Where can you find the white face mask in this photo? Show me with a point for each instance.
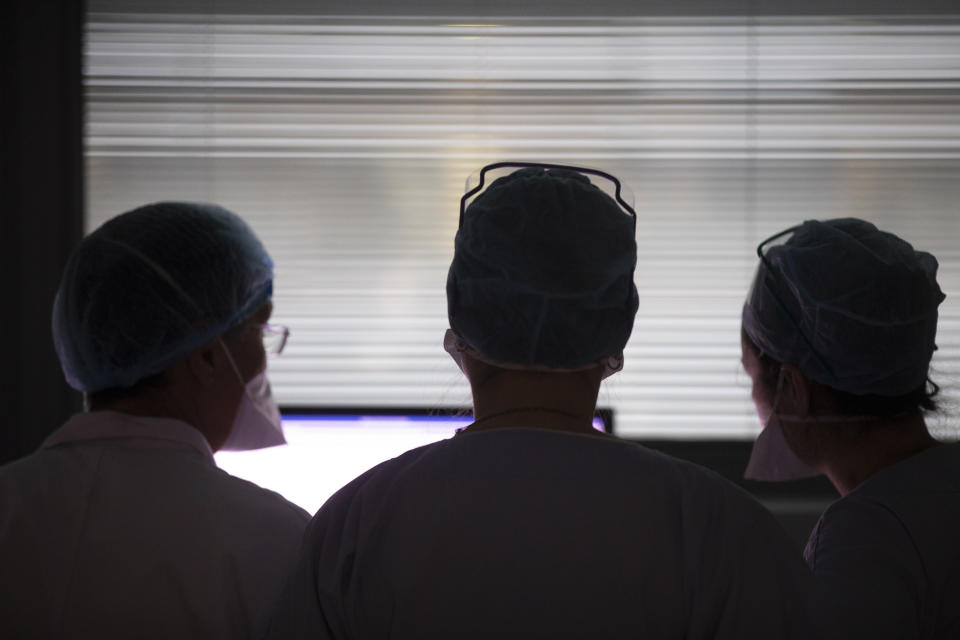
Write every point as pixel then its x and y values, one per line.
pixel 257 424
pixel 772 459
pixel 456 346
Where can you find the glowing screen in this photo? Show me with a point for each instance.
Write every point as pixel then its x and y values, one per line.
pixel 325 452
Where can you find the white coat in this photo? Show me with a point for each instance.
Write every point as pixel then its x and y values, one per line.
pixel 888 553
pixel 123 527
pixel 529 533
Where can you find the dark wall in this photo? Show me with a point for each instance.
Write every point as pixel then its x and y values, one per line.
pixel 41 181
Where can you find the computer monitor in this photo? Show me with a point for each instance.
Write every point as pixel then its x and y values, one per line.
pixel 327 448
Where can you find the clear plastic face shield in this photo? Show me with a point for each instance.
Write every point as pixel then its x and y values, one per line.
pixel 764 280
pixel 608 183
pixel 475 185
pixel 772 459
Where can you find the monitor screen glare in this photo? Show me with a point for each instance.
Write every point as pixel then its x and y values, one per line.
pixel 325 452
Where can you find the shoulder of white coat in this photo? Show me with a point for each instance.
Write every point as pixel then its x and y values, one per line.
pixel 251 496
pixel 371 483
pixel 850 522
pixel 346 516
pixel 699 481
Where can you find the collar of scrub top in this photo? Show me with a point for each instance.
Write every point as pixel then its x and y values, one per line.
pixel 546 166
pixel 159 433
pixel 783 307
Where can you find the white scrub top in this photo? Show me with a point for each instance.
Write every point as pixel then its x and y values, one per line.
pixel 888 553
pixel 123 527
pixel 530 533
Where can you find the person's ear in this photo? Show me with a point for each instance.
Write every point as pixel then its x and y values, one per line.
pixel 797 392
pixel 611 365
pixel 204 363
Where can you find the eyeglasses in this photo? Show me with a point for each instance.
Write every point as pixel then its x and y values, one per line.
pixel 780 303
pixel 620 193
pixel 274 338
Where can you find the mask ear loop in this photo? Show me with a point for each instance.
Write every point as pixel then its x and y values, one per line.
pixel 811 419
pixel 233 364
pixel 777 394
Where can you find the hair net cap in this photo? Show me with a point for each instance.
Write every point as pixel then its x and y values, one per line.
pixel 151 285
pixel 865 299
pixel 542 272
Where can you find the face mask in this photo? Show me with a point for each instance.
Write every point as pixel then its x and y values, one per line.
pixel 772 459
pixel 257 424
pixel 455 346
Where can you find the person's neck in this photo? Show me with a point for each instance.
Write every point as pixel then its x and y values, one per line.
pixel 851 462
pixel 558 401
pixel 157 404
pixel 143 405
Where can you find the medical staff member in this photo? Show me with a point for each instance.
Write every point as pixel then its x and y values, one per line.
pixel 838 333
pixel 530 523
pixel 121 525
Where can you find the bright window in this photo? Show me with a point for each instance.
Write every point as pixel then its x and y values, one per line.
pixel 346 142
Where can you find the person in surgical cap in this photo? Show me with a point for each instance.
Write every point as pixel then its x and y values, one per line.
pixel 531 523
pixel 838 332
pixel 121 525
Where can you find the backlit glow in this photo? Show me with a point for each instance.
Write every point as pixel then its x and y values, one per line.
pixel 325 452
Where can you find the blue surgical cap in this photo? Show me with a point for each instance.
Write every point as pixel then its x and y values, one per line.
pixel 542 272
pixel 864 299
pixel 151 285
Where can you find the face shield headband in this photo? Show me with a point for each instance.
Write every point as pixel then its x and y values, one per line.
pixel 618 189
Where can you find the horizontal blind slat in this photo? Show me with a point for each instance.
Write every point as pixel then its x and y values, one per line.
pixel 345 143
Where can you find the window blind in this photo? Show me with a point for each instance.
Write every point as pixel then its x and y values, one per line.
pixel 345 142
